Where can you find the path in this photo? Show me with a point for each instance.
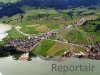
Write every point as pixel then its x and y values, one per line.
pixel 18 29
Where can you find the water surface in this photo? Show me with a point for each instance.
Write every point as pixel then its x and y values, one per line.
pixel 38 66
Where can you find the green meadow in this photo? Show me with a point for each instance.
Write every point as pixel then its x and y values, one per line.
pixel 6 1
pixel 53 48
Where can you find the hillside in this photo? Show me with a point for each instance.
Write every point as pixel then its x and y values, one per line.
pixel 58 4
pixel 76 36
pixel 9 10
pixel 11 1
pixel 93 29
pixel 14 7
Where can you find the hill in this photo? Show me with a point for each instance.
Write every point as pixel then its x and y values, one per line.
pixel 9 9
pixel 76 36
pixel 93 29
pixel 58 4
pixel 11 1
pixel 12 7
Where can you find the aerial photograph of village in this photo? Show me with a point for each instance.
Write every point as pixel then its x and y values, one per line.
pixel 49 37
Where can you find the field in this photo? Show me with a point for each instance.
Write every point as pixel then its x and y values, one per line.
pixel 52 48
pixel 34 29
pixel 43 47
pixel 6 1
pixel 13 33
pixel 76 36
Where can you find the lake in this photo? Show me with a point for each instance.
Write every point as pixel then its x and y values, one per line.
pixel 38 66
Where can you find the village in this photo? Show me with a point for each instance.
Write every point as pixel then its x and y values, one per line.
pixel 49 37
pixel 28 43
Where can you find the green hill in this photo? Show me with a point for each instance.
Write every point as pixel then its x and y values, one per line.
pixel 93 29
pixel 11 1
pixel 76 36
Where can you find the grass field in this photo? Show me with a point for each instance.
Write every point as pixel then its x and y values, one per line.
pixel 6 1
pixel 41 28
pixel 76 36
pixel 13 33
pixel 43 47
pixel 28 30
pixel 52 48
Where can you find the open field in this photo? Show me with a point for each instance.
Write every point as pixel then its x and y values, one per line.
pixel 73 35
pixel 6 1
pixel 52 48
pixel 34 29
pixel 13 33
pixel 41 28
pixel 43 47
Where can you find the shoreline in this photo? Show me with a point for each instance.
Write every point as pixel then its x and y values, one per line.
pixel 3 30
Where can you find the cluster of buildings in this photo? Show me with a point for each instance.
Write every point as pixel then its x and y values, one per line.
pixel 28 43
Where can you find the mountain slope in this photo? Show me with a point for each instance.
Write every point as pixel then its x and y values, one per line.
pixel 58 3
pixel 6 1
pixel 10 9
